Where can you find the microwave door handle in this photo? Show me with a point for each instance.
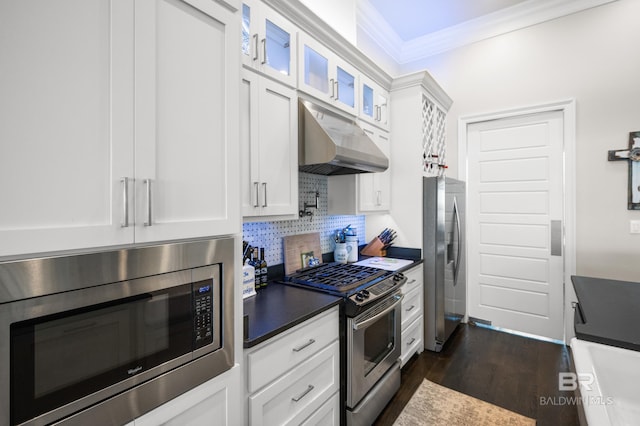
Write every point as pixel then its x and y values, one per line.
pixel 365 323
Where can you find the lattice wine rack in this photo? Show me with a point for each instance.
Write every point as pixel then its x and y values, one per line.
pixel 433 138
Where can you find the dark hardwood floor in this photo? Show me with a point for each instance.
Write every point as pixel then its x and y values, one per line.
pixel 510 371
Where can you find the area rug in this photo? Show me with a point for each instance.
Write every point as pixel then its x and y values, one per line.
pixel 432 404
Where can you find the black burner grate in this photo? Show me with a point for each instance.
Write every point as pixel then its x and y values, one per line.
pixel 337 276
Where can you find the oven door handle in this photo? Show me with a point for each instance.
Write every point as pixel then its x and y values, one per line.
pixel 378 315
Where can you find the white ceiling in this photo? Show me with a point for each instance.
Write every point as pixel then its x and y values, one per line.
pixel 411 30
pixel 411 19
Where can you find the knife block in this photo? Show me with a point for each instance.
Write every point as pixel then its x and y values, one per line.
pixel 374 248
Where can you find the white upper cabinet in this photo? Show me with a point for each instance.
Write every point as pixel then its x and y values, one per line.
pixel 324 75
pixel 269 146
pixel 187 128
pixel 365 192
pixel 66 124
pixel 374 105
pixel 101 98
pixel 268 42
pixel 375 188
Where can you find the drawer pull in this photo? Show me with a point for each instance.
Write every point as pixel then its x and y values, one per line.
pixel 411 282
pixel 413 339
pixel 303 394
pixel 411 308
pixel 309 343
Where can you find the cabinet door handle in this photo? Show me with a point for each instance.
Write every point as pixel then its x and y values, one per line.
pixel 255 47
pixel 337 90
pixel 264 187
pixel 264 51
pixel 410 309
pixel 303 394
pixel 147 183
pixel 309 343
pixel 333 88
pixel 125 202
pixel 409 343
pixel 256 185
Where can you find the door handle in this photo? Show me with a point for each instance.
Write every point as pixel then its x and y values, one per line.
pixel 264 186
pixel 125 202
pixel 556 238
pixel 255 46
pixel 256 185
pixel 459 253
pixel 264 51
pixel 147 183
pixel 333 88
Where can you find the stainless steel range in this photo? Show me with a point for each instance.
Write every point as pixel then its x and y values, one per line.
pixel 372 306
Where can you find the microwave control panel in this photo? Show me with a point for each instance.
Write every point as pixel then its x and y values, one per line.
pixel 203 315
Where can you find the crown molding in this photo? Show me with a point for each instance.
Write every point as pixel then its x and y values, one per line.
pixel 522 15
pixel 427 82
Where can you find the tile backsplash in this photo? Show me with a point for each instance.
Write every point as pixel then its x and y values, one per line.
pixel 269 234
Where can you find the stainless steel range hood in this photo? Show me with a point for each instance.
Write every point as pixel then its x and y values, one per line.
pixel 330 144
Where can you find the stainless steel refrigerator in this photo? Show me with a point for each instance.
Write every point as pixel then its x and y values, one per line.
pixel 443 251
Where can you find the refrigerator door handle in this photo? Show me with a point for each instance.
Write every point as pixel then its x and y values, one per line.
pixel 459 251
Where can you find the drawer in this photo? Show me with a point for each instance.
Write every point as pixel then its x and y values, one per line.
pixel 299 393
pixel 411 306
pixel 411 340
pixel 280 354
pixel 327 415
pixel 414 279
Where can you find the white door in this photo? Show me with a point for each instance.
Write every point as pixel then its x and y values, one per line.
pixel 515 213
pixel 187 90
pixel 66 124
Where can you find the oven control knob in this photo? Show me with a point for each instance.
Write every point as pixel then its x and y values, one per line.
pixel 365 293
pixel 359 297
pixel 398 277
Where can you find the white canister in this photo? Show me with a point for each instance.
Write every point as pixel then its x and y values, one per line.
pixel 340 254
pixel 352 248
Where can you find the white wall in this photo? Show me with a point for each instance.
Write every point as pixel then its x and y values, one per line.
pixel 593 57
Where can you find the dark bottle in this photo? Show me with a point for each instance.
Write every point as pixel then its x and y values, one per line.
pixel 255 262
pixel 263 269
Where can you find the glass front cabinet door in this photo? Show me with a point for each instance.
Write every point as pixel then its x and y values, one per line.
pixel 268 42
pixel 325 76
pixel 375 103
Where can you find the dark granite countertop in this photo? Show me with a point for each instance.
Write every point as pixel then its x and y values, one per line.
pixel 280 307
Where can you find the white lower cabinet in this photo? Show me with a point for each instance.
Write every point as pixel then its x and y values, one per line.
pixel 294 378
pixel 412 314
pixel 212 403
pixel 327 415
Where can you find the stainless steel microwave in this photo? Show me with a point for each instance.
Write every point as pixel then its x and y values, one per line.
pixel 109 336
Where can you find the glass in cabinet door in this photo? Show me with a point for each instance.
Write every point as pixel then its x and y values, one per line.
pixel 278 48
pixel 367 101
pixel 346 88
pixel 246 30
pixel 316 70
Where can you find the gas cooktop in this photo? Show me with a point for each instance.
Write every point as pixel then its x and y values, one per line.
pixel 337 277
pixel 359 285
